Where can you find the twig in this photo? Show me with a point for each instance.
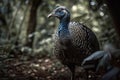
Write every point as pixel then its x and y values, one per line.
pixel 13 19
pixel 20 26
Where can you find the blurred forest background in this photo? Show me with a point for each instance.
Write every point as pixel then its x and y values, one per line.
pixel 26 44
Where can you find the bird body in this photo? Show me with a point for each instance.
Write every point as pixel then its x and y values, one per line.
pixel 73 45
pixel 73 41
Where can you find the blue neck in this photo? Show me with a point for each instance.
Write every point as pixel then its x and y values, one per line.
pixel 63 24
pixel 63 27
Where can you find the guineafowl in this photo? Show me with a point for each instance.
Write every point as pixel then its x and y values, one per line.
pixel 73 41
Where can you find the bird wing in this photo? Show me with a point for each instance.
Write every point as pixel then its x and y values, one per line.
pixel 83 37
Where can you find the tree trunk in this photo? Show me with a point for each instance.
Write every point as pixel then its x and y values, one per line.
pixel 114 8
pixel 32 22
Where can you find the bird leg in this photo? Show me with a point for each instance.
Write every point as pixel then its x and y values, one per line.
pixel 72 69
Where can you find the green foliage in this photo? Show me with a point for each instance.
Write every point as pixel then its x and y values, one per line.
pixel 99 22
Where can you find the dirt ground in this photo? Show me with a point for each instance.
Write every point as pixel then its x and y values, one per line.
pixel 24 67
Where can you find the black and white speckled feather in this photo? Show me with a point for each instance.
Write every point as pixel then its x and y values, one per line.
pixel 83 43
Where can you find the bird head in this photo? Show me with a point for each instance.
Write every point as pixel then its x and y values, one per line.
pixel 60 12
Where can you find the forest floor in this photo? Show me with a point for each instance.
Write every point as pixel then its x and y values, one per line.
pixel 23 67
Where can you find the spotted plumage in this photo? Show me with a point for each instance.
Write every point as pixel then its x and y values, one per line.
pixel 81 44
pixel 73 41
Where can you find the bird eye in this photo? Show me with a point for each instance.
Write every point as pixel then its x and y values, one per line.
pixel 59 11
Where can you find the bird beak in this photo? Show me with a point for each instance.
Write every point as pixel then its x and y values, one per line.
pixel 50 15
